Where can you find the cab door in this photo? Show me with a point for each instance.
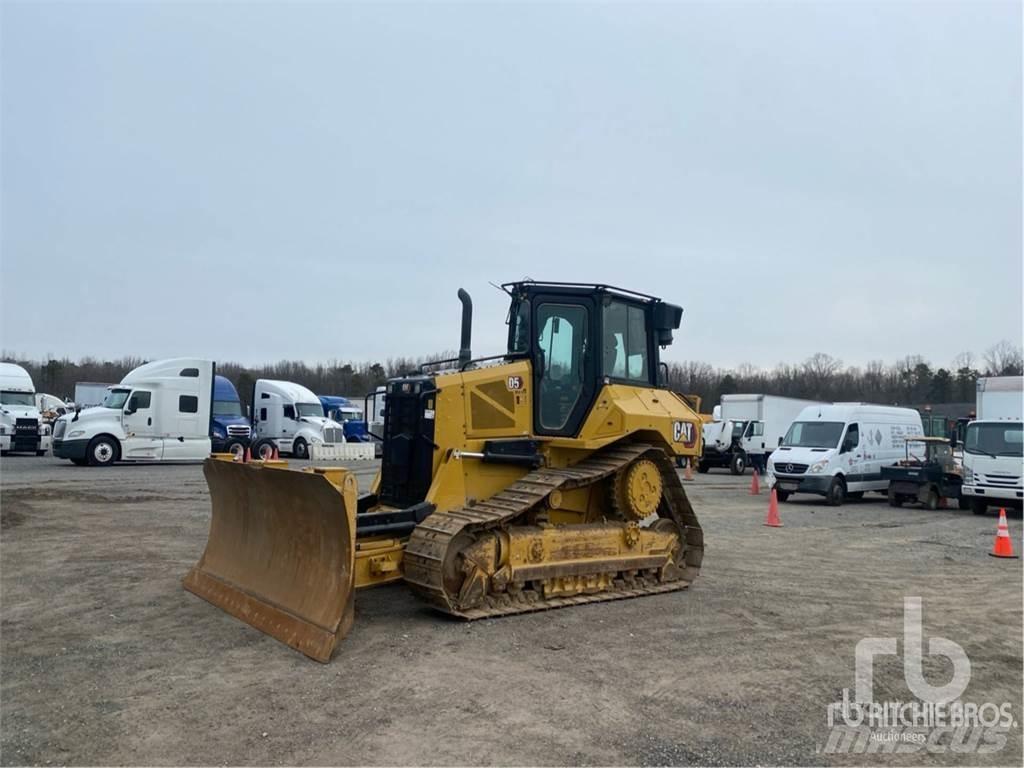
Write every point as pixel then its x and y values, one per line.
pixel 563 367
pixel 141 440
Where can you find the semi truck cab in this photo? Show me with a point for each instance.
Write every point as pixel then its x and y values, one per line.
pixel 230 430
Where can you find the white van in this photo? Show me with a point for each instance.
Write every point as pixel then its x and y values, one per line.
pixel 22 430
pixel 839 450
pixel 159 412
pixel 289 417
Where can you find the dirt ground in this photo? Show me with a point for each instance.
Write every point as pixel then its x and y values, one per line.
pixel 107 660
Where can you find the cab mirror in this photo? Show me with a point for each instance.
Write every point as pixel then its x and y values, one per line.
pixel 781 439
pixel 131 408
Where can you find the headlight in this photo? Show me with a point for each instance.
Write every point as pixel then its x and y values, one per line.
pixel 219 433
pixel 818 466
pixel 968 476
pixel 76 433
pixel 316 439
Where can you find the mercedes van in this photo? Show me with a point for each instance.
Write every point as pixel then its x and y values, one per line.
pixel 838 451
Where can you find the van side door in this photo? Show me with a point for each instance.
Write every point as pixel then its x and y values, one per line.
pixel 141 440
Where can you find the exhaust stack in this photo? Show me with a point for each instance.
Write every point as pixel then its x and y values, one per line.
pixel 465 353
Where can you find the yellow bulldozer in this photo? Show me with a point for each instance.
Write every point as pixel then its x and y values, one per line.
pixel 541 478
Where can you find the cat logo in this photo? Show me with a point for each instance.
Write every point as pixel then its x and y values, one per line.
pixel 683 432
pixel 514 383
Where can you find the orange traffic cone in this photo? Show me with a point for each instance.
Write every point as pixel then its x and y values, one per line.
pixel 755 484
pixel 1002 546
pixel 772 520
pixel 688 474
pixel 246 457
pixel 275 456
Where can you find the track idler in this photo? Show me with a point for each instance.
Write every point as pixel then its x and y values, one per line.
pixel 281 550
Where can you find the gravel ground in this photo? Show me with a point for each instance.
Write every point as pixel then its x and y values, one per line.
pixel 107 660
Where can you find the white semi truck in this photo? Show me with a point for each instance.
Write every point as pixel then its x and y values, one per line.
pixel 993 459
pixel 747 429
pixel 22 429
pixel 160 411
pixel 289 417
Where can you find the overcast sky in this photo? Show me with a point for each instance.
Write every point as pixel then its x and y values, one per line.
pixel 280 181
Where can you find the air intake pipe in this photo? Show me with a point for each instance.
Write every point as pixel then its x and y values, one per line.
pixel 465 353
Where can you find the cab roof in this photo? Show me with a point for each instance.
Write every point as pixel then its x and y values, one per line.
pixel 534 285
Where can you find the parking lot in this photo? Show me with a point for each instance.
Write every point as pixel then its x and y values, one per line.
pixel 107 660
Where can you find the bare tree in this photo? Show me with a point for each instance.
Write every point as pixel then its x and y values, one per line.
pixel 1004 359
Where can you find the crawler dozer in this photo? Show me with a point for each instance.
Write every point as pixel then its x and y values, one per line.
pixel 537 479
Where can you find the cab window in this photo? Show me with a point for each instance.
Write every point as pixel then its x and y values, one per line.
pixel 852 439
pixel 139 401
pixel 625 342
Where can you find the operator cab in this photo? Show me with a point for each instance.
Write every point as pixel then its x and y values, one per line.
pixel 580 337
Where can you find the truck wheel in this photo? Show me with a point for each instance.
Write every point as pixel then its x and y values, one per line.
pixel 781 495
pixel 738 464
pixel 263 450
pixel 836 492
pixel 102 451
pixel 895 500
pixel 702 467
pixel 236 448
pixel 931 499
pixel 299 449
pixel 979 506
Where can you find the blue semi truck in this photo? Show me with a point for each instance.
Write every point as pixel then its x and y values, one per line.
pixel 230 430
pixel 349 415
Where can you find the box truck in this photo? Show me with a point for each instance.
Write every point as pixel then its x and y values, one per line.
pixel 89 394
pixel 838 451
pixel 751 427
pixel 993 449
pixel 290 418
pixel 22 429
pixel 161 411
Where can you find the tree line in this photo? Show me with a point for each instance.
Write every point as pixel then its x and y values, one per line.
pixel 911 380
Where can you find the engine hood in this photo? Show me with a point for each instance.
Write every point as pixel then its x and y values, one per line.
pixel 795 455
pixel 19 412
pixel 86 415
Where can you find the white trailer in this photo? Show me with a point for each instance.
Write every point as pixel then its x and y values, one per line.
pixel 751 427
pixel 993 455
pixel 159 412
pixel 22 429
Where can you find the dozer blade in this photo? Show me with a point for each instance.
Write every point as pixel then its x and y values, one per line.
pixel 281 550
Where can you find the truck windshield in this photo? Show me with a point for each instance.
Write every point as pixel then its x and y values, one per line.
pixel 309 409
pixel 231 408
pixel 995 439
pixel 115 398
pixel 813 434
pixel 17 398
pixel 342 416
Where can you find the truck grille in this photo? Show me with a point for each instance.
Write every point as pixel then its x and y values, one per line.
pixel 789 468
pixel 334 435
pixel 998 480
pixel 238 430
pixel 26 426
